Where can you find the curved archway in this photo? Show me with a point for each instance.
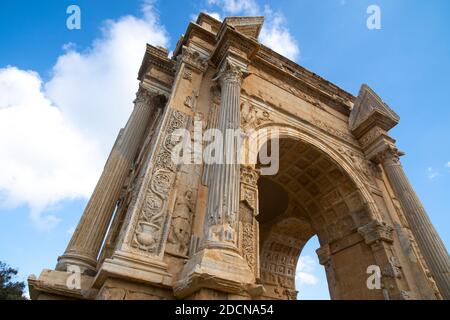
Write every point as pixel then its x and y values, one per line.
pixel 256 139
pixel 314 192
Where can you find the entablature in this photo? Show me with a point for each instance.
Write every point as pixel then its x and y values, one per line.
pixel 157 67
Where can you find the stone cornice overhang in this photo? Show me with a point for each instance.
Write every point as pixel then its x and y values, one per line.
pixel 194 29
pixel 262 56
pixel 229 41
pixel 301 78
pixel 212 21
pixel 156 57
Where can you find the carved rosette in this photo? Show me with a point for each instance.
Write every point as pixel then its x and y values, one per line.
pixel 148 233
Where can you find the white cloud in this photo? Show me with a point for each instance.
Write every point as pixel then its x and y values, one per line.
pixel 274 33
pixel 55 137
pixel 96 89
pixel 215 15
pixel 305 272
pixel 448 164
pixel 276 36
pixel 44 158
pixel 432 173
pixel 249 7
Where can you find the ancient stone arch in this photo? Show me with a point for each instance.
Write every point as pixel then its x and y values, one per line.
pixel 156 228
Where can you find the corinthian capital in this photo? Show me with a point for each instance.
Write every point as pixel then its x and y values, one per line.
pixel 143 96
pixel 148 97
pixel 231 72
pixel 389 156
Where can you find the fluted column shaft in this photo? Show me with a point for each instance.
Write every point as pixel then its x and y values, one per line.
pixel 430 243
pixel 223 198
pixel 88 237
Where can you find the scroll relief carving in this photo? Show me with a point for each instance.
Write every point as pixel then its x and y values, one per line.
pixel 252 117
pixel 149 229
pixel 248 209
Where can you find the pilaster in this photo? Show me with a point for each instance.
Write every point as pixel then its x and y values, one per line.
pixel 87 239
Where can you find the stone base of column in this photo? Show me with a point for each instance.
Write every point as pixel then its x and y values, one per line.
pixel 133 268
pixel 86 264
pixel 220 270
pixel 56 285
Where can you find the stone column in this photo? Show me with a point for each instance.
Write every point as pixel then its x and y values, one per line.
pixel 87 239
pixel 218 265
pixel 430 243
pixel 223 199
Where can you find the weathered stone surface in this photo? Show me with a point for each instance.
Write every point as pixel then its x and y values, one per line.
pixel 226 231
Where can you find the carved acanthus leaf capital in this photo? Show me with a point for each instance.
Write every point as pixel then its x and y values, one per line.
pixel 150 97
pixel 231 72
pixel 389 156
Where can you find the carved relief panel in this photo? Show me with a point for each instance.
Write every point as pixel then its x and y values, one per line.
pixel 248 242
pixel 149 229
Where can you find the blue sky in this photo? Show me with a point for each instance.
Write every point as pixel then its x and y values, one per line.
pixel 64 94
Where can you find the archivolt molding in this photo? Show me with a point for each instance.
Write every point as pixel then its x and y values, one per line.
pixel 331 149
pixel 343 143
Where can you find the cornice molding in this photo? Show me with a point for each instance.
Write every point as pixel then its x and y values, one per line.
pixel 370 111
pixel 156 56
pixel 194 29
pixel 229 41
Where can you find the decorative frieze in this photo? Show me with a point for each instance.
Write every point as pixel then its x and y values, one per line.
pixel 193 59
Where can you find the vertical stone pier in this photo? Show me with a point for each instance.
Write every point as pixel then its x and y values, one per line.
pixel 218 265
pixel 87 239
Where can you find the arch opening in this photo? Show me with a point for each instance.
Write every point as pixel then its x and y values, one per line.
pixel 311 195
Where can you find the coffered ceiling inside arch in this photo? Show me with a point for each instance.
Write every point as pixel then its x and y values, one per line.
pixel 316 188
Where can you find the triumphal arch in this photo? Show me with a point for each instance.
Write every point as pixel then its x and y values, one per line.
pixel 157 228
